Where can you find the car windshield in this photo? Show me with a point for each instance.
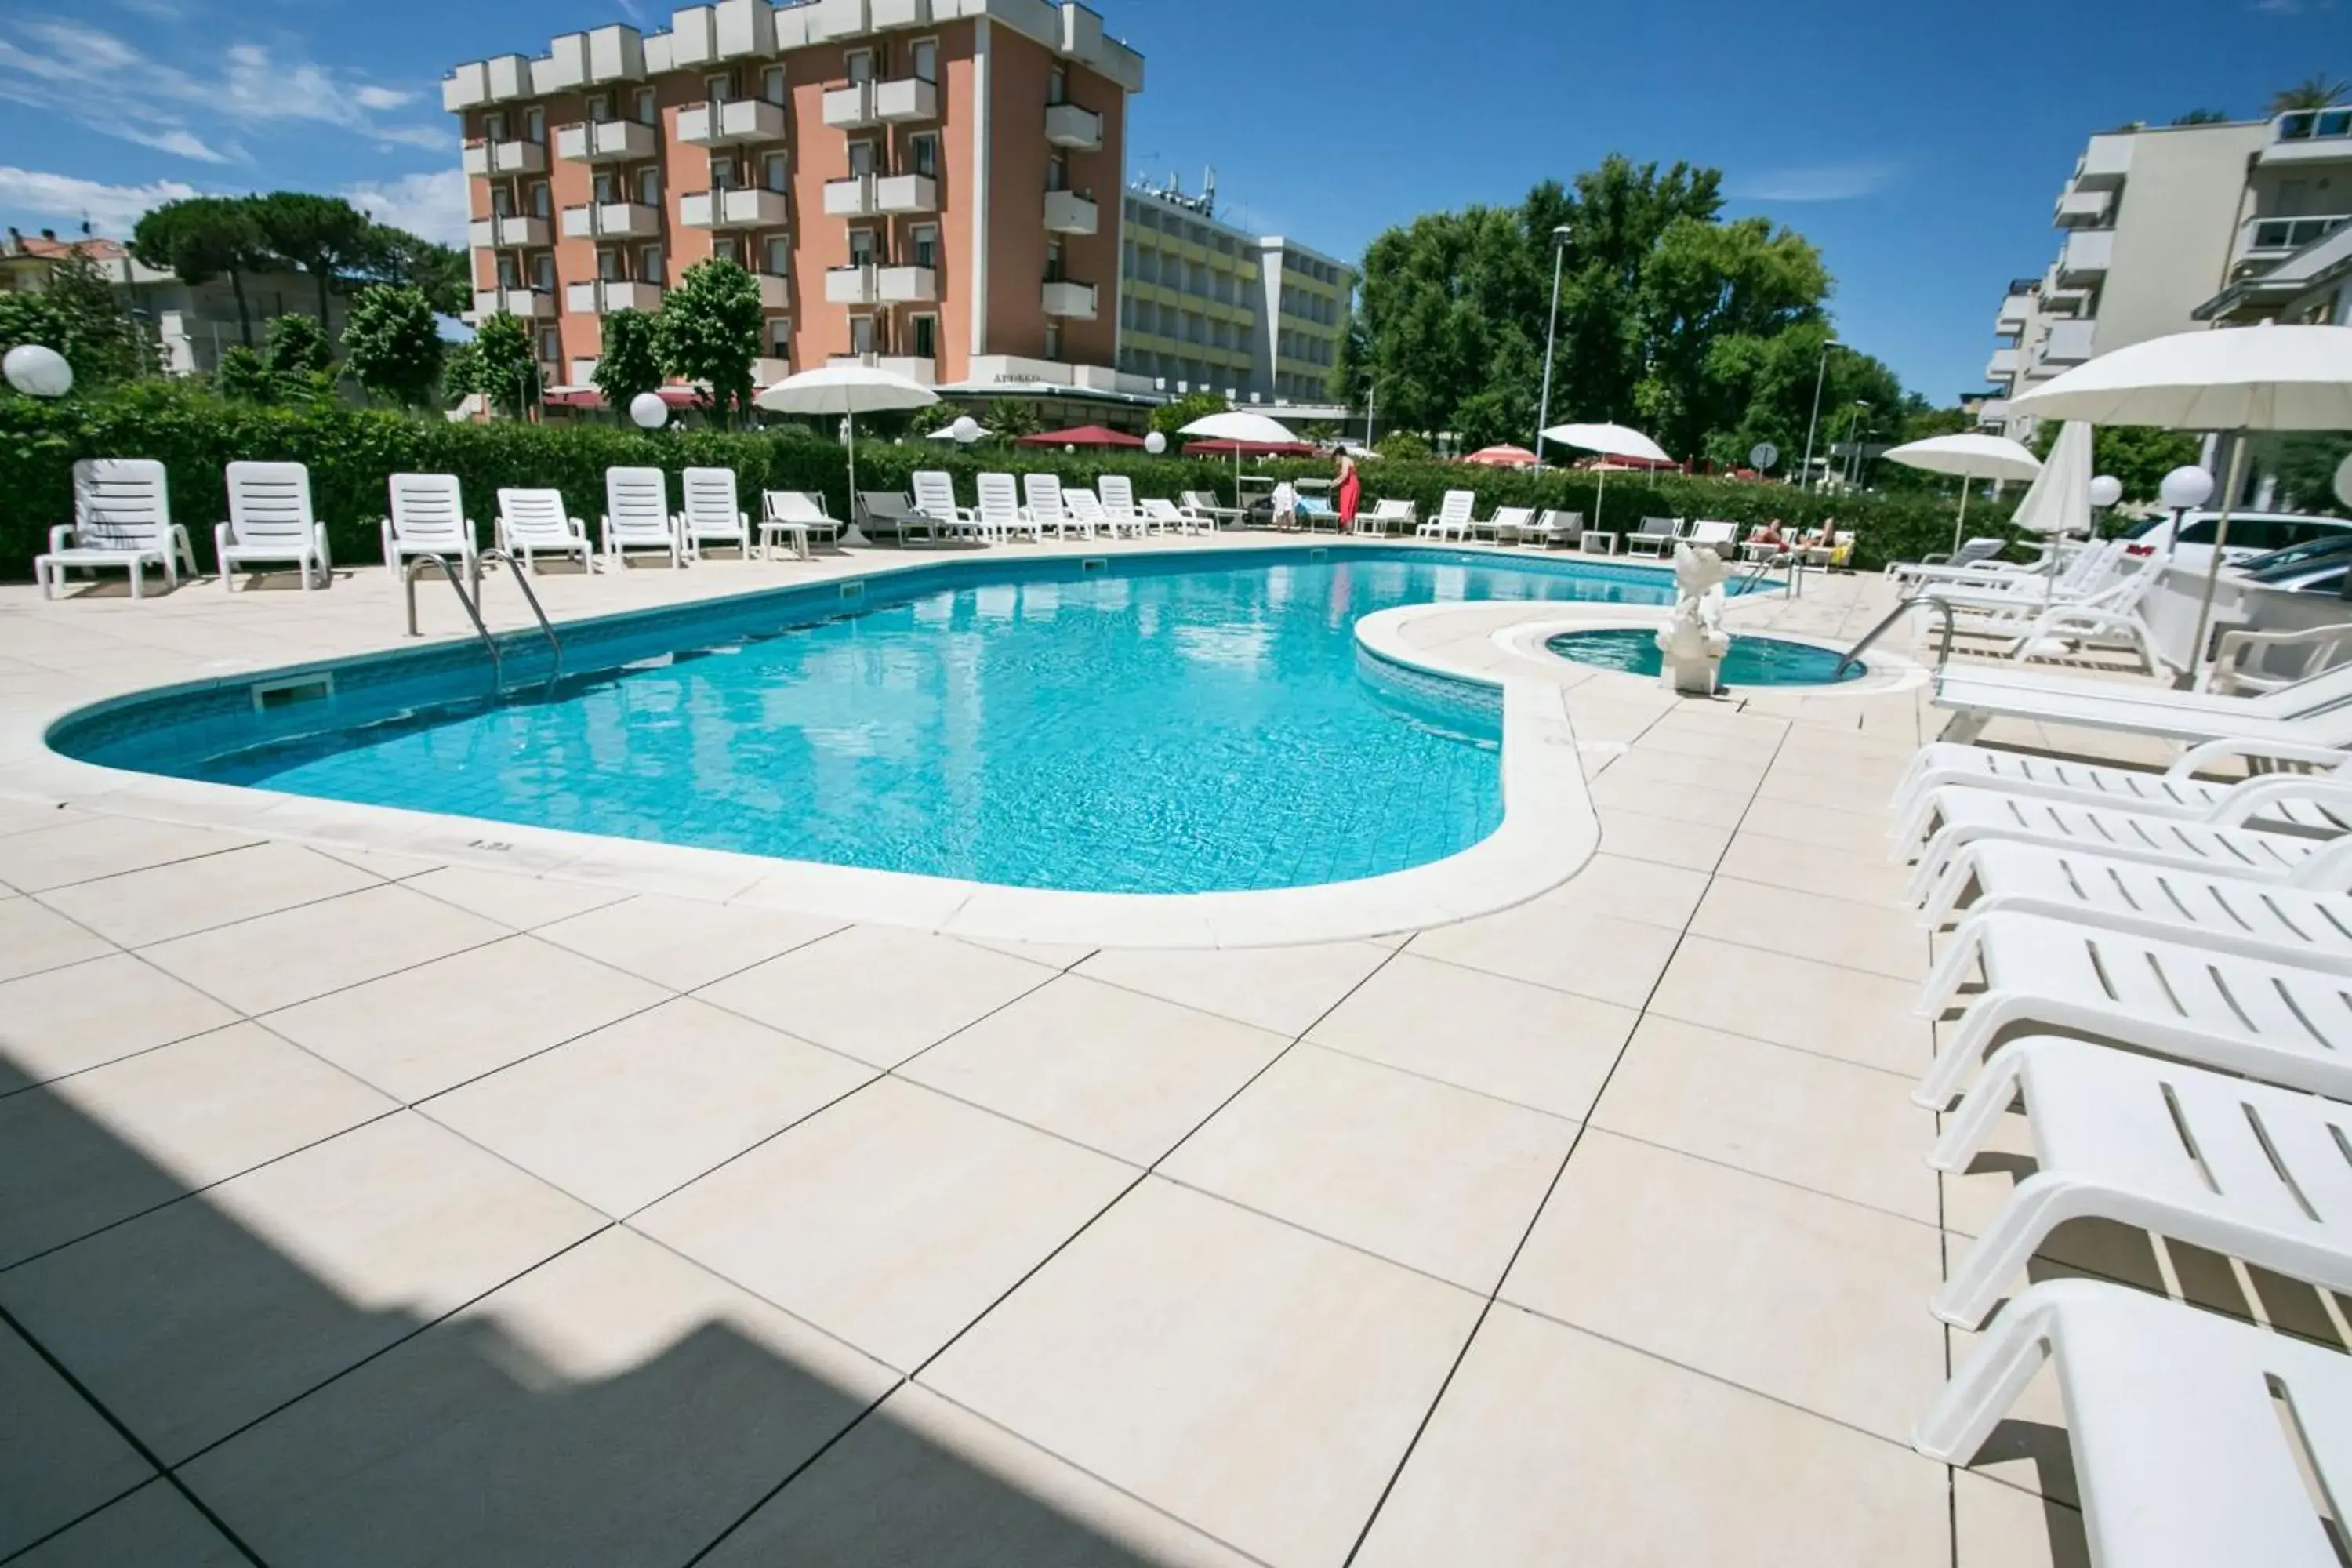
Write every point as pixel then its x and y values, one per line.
pixel 2144 527
pixel 2334 583
pixel 2296 559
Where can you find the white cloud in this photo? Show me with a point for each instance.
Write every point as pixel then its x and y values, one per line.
pixel 186 144
pixel 109 207
pixel 368 96
pixel 1817 183
pixel 433 205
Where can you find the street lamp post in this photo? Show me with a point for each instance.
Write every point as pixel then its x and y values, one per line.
pixel 1821 373
pixel 1559 237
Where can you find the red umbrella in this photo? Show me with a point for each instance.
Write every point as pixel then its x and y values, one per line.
pixel 1083 435
pixel 1503 457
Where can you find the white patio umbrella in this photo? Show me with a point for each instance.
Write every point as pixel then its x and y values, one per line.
pixel 1972 456
pixel 847 391
pixel 1610 441
pixel 2060 501
pixel 2234 380
pixel 1239 425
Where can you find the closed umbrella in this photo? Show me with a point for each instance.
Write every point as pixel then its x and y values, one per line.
pixel 2060 501
pixel 1972 456
pixel 1610 441
pixel 1244 429
pixel 847 391
pixel 2233 381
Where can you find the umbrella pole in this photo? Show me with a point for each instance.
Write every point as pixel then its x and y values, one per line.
pixel 1961 525
pixel 1601 497
pixel 2220 541
pixel 852 535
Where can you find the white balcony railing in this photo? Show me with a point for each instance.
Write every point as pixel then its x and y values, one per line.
pixel 2003 364
pixel 598 298
pixel 906 285
pixel 1066 211
pixel 2089 253
pixel 905 194
pixel 611 220
pixel 724 124
pixel 852 197
pixel 605 141
pixel 497 158
pixel 2278 236
pixel 851 286
pixel 849 108
pixel 526 302
pixel 1067 125
pixel 776 291
pixel 2069 343
pixel 922 371
pixel 904 102
pixel 2310 136
pixel 766 371
pixel 2085 209
pixel 750 208
pixel 506 233
pixel 1073 301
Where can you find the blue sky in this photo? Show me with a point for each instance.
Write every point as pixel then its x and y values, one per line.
pixel 1919 144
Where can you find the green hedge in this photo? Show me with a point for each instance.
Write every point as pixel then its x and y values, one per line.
pixel 352 451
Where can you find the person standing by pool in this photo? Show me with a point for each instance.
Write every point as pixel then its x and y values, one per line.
pixel 1348 492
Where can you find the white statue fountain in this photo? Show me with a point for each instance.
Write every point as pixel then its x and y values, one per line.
pixel 1693 642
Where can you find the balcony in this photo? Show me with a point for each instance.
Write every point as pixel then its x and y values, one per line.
pixel 1066 211
pixel 852 197
pixel 506 233
pixel 2085 209
pixel 2015 312
pixel 726 124
pixel 611 220
pixel 596 299
pixel 867 103
pixel 2069 343
pixel 905 194
pixel 499 158
pixel 525 302
pixel 606 141
pixel 906 285
pixel 776 291
pixel 767 372
pixel 850 107
pixel 1073 301
pixel 2309 136
pixel 2087 255
pixel 1992 411
pixel 921 371
pixel 2275 236
pixel 851 286
pixel 1067 125
pixel 732 209
pixel 2002 365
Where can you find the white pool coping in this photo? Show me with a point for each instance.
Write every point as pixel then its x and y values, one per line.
pixel 1548 833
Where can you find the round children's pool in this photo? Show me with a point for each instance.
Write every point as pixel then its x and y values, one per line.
pixel 1752 661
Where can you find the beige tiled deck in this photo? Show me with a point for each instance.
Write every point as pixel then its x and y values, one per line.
pixel 375 1210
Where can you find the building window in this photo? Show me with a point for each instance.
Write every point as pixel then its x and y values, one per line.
pixel 772 84
pixel 924 151
pixel 924 58
pixel 861 158
pixel 1057 86
pixel 859 64
pixel 501 200
pixel 510 274
pixel 542 273
pixel 780 338
pixel 1057 173
pixel 534 124
pixel 542 204
pixel 719 87
pixel 724 247
pixel 861 248
pixel 926 336
pixel 1052 339
pixel 861 334
pixel 649 184
pixel 494 126
pixel 600 107
pixel 608 264
pixel 606 187
pixel 643 107
pixel 779 254
pixel 551 345
pixel 649 265
pixel 773 169
pixel 1054 261
pixel 924 242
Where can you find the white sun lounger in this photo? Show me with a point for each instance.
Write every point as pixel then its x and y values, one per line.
pixel 270 521
pixel 1652 534
pixel 2088 573
pixel 1385 515
pixel 1974 556
pixel 2242 1169
pixel 1202 504
pixel 2324 807
pixel 1715 535
pixel 1084 511
pixel 1041 494
pixel 637 516
pixel 1169 518
pixel 1000 513
pixel 2174 1418
pixel 711 515
pixel 428 518
pixel 1453 516
pixel 935 499
pixel 532 522
pixel 122 520
pixel 2316 710
pixel 796 515
pixel 2289 1025
pixel 2219 843
pixel 1513 520
pixel 2307 912
pixel 1117 492
pixel 2107 618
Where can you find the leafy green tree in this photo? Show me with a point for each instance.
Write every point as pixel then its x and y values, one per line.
pixel 393 345
pixel 630 362
pixel 502 366
pixel 1403 446
pixel 298 346
pixel 244 375
pixel 2311 92
pixel 1011 419
pixel 709 332
pixel 399 258
pixel 2137 455
pixel 326 237
pixel 78 314
pixel 204 238
pixel 1170 417
pixel 2201 117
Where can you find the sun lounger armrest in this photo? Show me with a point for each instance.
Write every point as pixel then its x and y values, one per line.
pixel 2196 759
pixel 61 537
pixel 2246 800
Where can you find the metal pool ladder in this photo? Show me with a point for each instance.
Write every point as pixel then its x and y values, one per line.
pixel 472 603
pixel 1944 648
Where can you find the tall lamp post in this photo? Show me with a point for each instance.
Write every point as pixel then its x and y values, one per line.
pixel 1560 238
pixel 1818 375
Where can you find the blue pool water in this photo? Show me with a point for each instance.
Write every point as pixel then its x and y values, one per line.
pixel 1141 724
pixel 1751 662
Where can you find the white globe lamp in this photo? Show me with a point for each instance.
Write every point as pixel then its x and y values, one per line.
pixel 36 371
pixel 1068 450
pixel 2106 491
pixel 1157 442
pixel 966 429
pixel 2344 479
pixel 647 411
pixel 2186 487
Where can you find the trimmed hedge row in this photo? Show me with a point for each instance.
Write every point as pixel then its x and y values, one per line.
pixel 353 451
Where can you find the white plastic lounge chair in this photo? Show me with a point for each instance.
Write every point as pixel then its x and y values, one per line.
pixel 795 515
pixel 1116 493
pixel 2091 572
pixel 711 515
pixel 1453 519
pixel 1652 535
pixel 428 518
pixel 2309 912
pixel 1202 504
pixel 533 523
pixel 2285 1024
pixel 637 516
pixel 1169 518
pixel 1385 515
pixel 935 499
pixel 123 518
pixel 2241 1169
pixel 1509 525
pixel 1552 527
pixel 1979 551
pixel 1042 497
pixel 2221 844
pixel 270 519
pixel 1715 535
pixel 1083 509
pixel 2316 710
pixel 1000 513
pixel 2249 662
pixel 2107 618
pixel 2184 1454
pixel 2175 793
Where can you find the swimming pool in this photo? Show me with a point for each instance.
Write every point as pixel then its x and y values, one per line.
pixel 1751 660
pixel 1139 723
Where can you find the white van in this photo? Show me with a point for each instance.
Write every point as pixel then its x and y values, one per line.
pixel 2251 533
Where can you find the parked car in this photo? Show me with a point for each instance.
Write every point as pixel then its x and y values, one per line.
pixel 2298 562
pixel 2251 533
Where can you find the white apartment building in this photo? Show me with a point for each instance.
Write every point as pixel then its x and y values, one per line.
pixel 2308 165
pixel 2158 224
pixel 1207 306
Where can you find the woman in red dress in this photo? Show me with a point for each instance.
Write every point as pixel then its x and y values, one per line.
pixel 1349 492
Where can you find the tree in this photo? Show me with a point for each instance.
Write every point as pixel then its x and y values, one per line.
pixel 299 346
pixel 709 332
pixel 630 362
pixel 1012 419
pixel 244 375
pixel 2201 117
pixel 1169 418
pixel 401 259
pixel 393 345
pixel 79 315
pixel 204 238
pixel 326 237
pixel 2137 455
pixel 2311 92
pixel 502 366
pixel 1403 446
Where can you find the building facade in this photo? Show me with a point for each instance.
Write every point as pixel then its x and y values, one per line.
pixel 925 184
pixel 2305 170
pixel 2160 225
pixel 1207 306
